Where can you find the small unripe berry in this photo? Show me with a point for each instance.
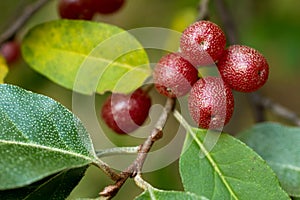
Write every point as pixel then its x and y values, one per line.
pixel 202 43
pixel 174 76
pixel 10 51
pixel 107 6
pixel 125 113
pixel 211 103
pixel 243 68
pixel 76 9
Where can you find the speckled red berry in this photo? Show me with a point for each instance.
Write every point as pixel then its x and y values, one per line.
pixel 211 103
pixel 107 6
pixel 125 113
pixel 174 76
pixel 10 51
pixel 202 43
pixel 76 9
pixel 243 68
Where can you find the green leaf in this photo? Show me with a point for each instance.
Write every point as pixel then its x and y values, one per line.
pixel 280 146
pixel 231 170
pixel 56 187
pixel 86 56
pixel 38 137
pixel 155 194
pixel 3 69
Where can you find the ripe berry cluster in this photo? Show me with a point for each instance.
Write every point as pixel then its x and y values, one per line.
pixel 85 9
pixel 210 99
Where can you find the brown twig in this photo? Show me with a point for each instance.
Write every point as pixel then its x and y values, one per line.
pixel 261 103
pixel 276 108
pixel 259 109
pixel 137 165
pixel 21 20
pixel 203 10
pixel 227 20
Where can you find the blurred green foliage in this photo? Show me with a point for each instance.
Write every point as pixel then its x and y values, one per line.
pixel 271 26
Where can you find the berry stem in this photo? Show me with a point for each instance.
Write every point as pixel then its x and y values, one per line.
pixel 117 151
pixel 182 121
pixel 140 182
pixel 189 129
pixel 21 20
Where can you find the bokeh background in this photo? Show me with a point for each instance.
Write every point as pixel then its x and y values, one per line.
pixel 270 26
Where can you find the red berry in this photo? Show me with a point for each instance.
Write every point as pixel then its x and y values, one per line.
pixel 211 103
pixel 76 9
pixel 125 113
pixel 202 43
pixel 10 51
pixel 174 76
pixel 243 68
pixel 108 6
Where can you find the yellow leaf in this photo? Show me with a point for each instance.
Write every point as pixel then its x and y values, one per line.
pixel 3 69
pixel 183 19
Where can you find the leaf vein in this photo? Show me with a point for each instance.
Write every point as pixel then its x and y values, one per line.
pixel 205 152
pixel 109 62
pixel 214 165
pixel 48 148
pixel 15 125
